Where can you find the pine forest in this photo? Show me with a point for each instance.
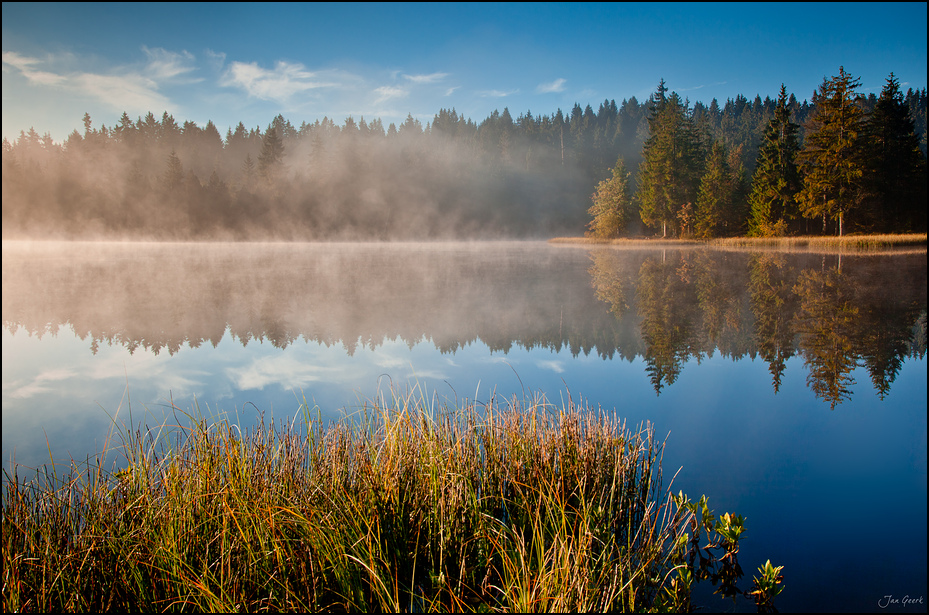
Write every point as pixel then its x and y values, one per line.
pixel 842 162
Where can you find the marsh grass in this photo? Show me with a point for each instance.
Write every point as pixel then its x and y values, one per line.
pixel 865 243
pixel 512 505
pixel 853 242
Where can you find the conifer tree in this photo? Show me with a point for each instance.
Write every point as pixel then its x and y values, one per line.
pixel 776 180
pixel 895 167
pixel 714 211
pixel 272 154
pixel 174 174
pixel 672 164
pixel 831 159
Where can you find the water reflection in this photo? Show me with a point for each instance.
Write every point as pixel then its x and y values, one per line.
pixel 690 304
pixel 667 307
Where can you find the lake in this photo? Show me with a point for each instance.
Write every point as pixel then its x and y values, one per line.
pixel 790 387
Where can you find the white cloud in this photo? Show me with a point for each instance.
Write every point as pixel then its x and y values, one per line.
pixel 700 87
pixel 122 93
pixel 216 59
pixel 450 91
pixel 286 371
pixel 25 65
pixel 20 62
pixel 279 84
pixel 164 65
pixel 18 391
pixel 387 92
pixel 426 78
pixel 555 366
pixel 496 93
pixel 550 88
pixel 124 89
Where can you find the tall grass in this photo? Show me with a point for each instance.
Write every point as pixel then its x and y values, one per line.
pixel 807 243
pixel 406 506
pixel 853 242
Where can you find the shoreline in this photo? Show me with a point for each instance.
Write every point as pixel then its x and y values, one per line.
pixel 809 243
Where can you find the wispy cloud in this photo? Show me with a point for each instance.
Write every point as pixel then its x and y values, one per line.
pixel 387 92
pixel 164 65
pixel 25 65
pixel 280 370
pixel 121 92
pixel 18 391
pixel 700 87
pixel 217 59
pixel 555 366
pixel 551 88
pixel 496 93
pixel 451 91
pixel 125 89
pixel 278 84
pixel 432 78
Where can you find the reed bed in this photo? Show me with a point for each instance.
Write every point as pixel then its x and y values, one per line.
pixel 867 243
pixel 631 242
pixel 854 242
pixel 405 506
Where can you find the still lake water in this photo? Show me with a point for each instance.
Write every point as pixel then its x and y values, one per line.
pixel 791 386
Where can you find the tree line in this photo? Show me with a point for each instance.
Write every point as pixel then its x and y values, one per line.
pixel 531 175
pixel 854 163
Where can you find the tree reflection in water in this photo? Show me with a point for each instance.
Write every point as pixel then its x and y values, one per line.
pixel 667 307
pixel 869 312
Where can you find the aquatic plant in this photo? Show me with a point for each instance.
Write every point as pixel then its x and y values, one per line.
pixel 511 505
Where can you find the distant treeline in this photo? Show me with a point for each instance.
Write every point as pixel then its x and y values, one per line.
pixel 502 177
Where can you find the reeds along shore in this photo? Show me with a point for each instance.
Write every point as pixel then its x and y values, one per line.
pixel 516 506
pixel 816 242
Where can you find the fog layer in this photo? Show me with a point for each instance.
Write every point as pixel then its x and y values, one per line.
pixel 665 307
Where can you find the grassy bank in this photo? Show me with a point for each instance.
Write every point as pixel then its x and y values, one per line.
pixel 516 506
pixel 811 243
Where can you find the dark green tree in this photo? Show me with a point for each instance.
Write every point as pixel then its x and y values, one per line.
pixel 895 167
pixel 672 165
pixel 714 214
pixel 776 181
pixel 831 159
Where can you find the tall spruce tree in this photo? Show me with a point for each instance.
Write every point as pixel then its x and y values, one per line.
pixel 831 159
pixel 173 177
pixel 895 166
pixel 272 154
pixel 776 180
pixel 672 164
pixel 715 201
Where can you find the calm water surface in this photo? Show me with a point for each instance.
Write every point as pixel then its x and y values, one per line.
pixel 791 387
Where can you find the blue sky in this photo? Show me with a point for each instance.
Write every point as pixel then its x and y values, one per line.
pixel 248 62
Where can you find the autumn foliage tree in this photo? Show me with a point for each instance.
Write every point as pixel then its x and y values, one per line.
pixel 612 208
